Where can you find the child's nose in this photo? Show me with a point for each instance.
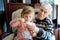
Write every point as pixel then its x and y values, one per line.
pixel 27 18
pixel 42 12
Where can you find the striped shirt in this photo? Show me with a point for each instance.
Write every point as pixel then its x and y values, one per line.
pixel 46 24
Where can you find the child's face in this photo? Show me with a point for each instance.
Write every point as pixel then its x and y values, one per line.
pixel 43 13
pixel 27 17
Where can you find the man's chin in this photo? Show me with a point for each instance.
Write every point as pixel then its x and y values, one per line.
pixel 41 18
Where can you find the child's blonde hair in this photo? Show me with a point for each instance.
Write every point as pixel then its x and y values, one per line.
pixel 28 10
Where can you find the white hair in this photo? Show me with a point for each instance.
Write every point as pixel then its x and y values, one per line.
pixel 47 6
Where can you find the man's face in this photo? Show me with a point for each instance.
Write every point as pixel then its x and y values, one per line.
pixel 43 13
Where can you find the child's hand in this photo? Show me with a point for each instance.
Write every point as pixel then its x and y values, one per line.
pixel 30 25
pixel 17 22
pixel 14 23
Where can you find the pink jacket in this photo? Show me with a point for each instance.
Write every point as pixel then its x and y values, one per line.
pixel 22 30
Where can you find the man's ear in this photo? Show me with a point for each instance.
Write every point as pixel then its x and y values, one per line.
pixel 50 16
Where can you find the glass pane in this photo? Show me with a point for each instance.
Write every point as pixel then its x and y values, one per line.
pixel 47 1
pixel 28 1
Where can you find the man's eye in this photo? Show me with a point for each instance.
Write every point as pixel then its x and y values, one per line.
pixel 26 16
pixel 42 10
pixel 45 12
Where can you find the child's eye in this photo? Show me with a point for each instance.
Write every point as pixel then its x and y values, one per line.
pixel 29 16
pixel 26 16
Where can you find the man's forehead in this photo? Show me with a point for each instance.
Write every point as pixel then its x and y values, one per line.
pixel 43 9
